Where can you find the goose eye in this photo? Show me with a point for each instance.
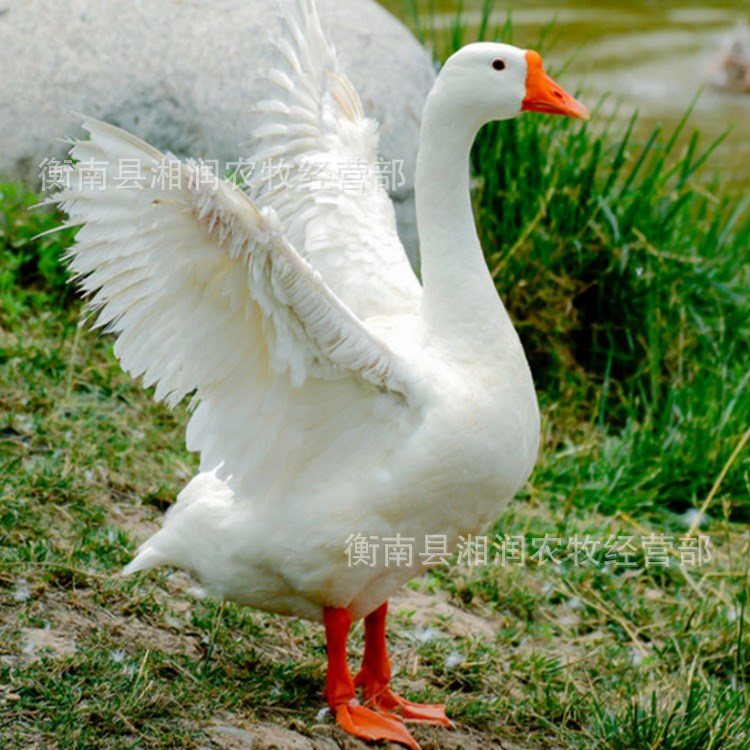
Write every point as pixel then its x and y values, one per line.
pixel 498 64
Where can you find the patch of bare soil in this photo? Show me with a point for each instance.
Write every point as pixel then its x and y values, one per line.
pixel 436 611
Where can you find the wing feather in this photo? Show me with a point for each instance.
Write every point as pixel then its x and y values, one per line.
pixel 268 329
pixel 311 133
pixel 171 271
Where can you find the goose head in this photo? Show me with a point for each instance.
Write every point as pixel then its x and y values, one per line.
pixel 487 81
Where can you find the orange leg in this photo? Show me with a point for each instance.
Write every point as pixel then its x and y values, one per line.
pixel 340 692
pixel 375 676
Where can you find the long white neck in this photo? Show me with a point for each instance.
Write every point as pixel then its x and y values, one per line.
pixel 459 299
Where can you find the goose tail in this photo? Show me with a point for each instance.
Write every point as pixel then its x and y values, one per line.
pixel 146 558
pixel 182 539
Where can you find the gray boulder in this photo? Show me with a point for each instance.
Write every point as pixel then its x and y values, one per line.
pixel 183 74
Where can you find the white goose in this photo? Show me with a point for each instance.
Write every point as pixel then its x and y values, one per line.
pixel 334 395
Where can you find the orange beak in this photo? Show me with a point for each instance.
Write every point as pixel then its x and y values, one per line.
pixel 544 95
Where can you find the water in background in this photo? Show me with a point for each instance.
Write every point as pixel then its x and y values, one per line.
pixel 653 56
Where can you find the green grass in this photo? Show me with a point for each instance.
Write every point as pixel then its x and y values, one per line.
pixel 626 268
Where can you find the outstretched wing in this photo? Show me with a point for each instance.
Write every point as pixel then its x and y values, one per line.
pixel 204 293
pixel 317 155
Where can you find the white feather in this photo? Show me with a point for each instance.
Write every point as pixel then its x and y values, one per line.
pixel 315 117
pixel 205 294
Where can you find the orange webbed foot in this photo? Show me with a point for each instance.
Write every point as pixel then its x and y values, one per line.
pixel 429 713
pixel 386 701
pixel 372 726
